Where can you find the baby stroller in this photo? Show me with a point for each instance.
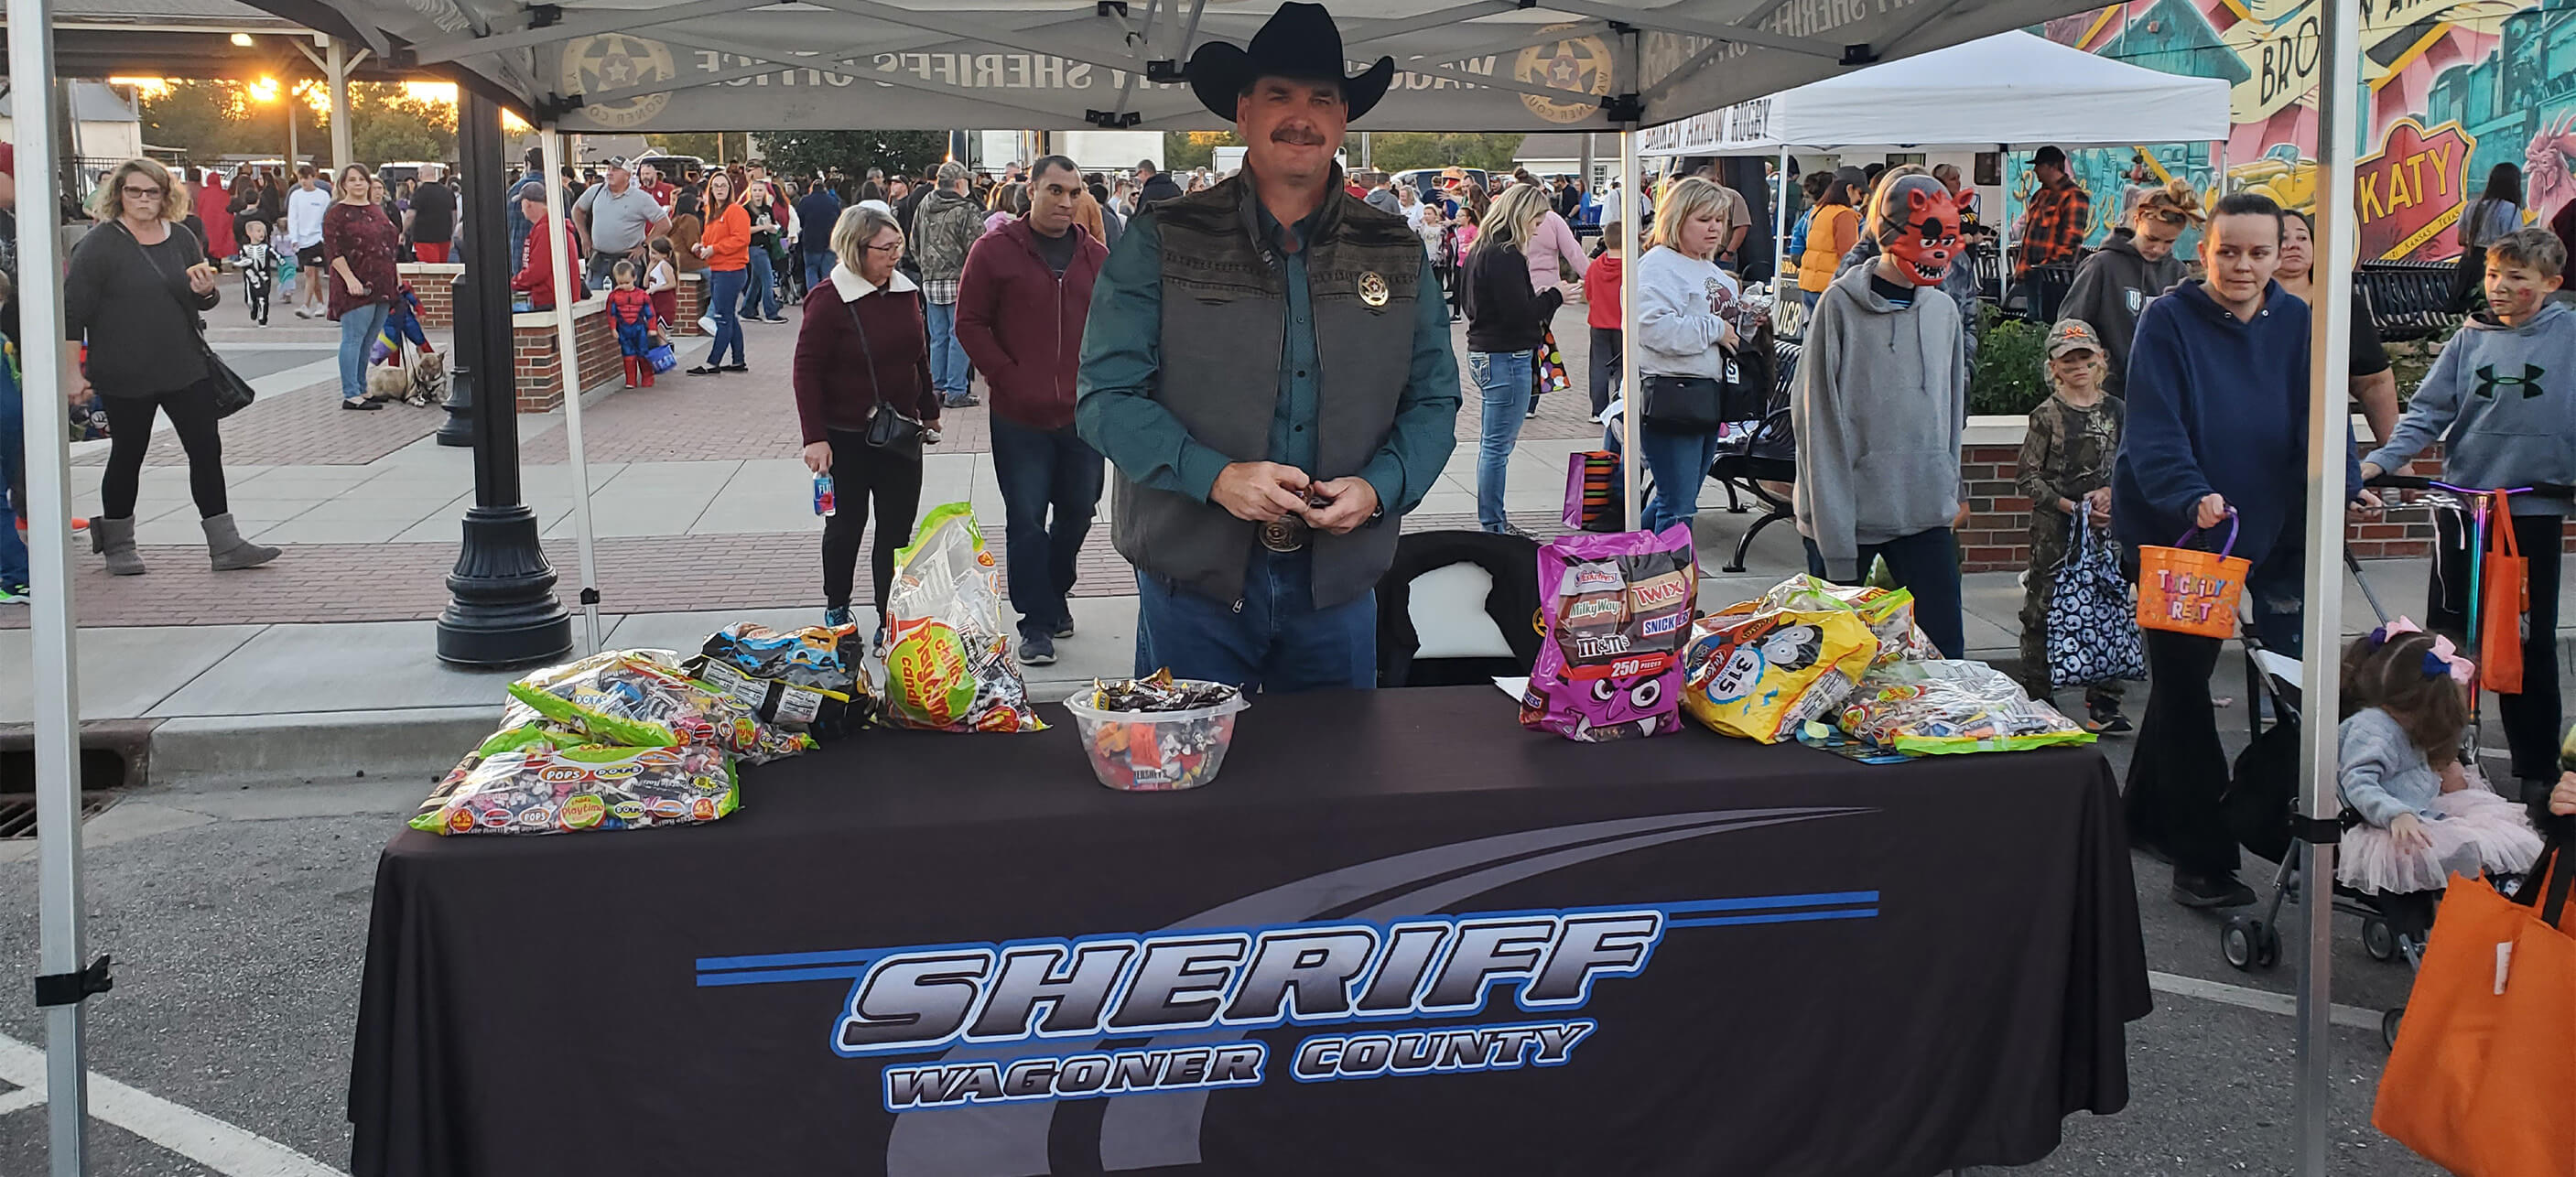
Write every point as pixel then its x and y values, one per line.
pixel 2261 802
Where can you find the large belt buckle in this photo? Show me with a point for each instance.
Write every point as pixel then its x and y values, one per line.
pixel 1284 535
pixel 1288 533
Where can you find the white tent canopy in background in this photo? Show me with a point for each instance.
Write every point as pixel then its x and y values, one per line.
pixel 2010 88
pixel 1480 65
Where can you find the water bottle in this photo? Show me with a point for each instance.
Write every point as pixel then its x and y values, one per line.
pixel 824 503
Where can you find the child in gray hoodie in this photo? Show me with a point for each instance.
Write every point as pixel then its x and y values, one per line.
pixel 1878 408
pixel 2502 400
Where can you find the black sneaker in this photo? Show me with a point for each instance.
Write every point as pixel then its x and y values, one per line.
pixel 1037 651
pixel 2219 890
pixel 2105 720
pixel 1064 629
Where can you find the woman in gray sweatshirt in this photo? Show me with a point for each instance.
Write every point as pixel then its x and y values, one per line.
pixel 1878 407
pixel 1684 328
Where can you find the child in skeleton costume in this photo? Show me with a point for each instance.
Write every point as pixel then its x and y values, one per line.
pixel 1879 407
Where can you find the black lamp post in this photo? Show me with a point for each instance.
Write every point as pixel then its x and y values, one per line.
pixel 503 611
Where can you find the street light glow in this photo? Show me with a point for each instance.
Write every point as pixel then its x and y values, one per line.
pixel 242 39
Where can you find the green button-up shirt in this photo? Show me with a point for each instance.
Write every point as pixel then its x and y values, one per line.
pixel 1122 347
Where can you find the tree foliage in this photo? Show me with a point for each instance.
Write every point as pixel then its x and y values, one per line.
pixel 1396 151
pixel 729 146
pixel 1183 150
pixel 386 124
pixel 806 153
pixel 206 119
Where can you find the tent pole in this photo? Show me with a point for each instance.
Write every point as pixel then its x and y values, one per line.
pixel 1628 217
pixel 2329 441
pixel 49 366
pixel 1780 223
pixel 2004 223
pixel 569 289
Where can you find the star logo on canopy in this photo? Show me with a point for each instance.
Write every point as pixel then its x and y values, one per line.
pixel 602 65
pixel 1579 65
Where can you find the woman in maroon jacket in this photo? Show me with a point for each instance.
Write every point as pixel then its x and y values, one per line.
pixel 864 342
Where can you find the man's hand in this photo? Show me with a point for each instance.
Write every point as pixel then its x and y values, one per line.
pixel 1259 492
pixel 1348 503
pixel 2370 470
pixel 2562 800
pixel 2212 509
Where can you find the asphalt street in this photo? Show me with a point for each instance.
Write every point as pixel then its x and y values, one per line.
pixel 238 920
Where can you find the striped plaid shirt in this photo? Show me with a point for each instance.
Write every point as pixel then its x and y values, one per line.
pixel 2061 215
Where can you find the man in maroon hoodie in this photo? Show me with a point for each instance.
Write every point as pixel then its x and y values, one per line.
pixel 1021 304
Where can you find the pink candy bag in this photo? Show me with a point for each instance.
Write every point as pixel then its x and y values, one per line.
pixel 1617 611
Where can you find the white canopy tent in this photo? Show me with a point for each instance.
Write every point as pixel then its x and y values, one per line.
pixel 679 65
pixel 2011 89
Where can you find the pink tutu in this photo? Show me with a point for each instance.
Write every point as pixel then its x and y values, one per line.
pixel 2478 831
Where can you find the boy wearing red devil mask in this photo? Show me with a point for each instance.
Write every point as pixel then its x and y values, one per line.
pixel 1884 374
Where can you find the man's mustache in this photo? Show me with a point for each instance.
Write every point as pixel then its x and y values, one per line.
pixel 1302 136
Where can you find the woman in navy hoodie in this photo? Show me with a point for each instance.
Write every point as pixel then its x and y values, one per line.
pixel 2217 426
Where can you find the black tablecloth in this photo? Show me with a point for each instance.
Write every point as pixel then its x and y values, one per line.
pixel 1865 970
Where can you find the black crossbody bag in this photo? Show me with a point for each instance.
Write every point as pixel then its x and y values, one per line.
pixel 888 428
pixel 232 393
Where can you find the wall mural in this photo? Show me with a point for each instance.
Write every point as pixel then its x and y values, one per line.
pixel 2456 87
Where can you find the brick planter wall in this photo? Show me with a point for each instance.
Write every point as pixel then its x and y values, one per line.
pixel 1997 535
pixel 693 303
pixel 434 284
pixel 540 372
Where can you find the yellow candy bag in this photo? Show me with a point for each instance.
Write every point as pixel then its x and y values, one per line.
pixel 1761 675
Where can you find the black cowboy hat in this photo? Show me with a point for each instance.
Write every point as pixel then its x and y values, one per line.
pixel 1298 41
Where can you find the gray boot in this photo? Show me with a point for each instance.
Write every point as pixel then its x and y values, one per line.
pixel 114 539
pixel 227 548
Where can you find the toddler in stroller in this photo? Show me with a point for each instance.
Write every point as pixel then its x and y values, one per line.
pixel 2424 819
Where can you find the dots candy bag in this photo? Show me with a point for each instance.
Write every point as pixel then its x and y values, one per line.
pixel 1760 675
pixel 1940 706
pixel 1889 613
pixel 543 789
pixel 948 662
pixel 808 680
pixel 639 699
pixel 1616 613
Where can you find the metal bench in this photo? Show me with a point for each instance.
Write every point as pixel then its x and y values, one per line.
pixel 2407 301
pixel 1767 454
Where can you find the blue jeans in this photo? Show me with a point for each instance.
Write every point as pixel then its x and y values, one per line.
pixel 1041 469
pixel 1504 378
pixel 724 291
pixel 359 328
pixel 1925 563
pixel 761 300
pixel 948 371
pixel 1274 639
pixel 1679 463
pixel 818 269
pixel 13 479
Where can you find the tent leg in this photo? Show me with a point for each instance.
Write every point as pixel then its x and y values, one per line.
pixel 2329 442
pixel 47 361
pixel 1780 222
pixel 1628 217
pixel 504 611
pixel 2004 226
pixel 568 291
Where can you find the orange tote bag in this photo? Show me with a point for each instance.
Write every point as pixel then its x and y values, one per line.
pixel 2503 597
pixel 2482 1080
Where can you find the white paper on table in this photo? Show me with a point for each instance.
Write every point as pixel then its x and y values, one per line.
pixel 1515 687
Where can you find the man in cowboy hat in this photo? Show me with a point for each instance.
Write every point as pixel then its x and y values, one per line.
pixel 1271 424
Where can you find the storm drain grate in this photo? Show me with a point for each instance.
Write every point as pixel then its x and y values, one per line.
pixel 18 814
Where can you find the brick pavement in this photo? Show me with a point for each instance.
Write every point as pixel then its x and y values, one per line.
pixel 304 427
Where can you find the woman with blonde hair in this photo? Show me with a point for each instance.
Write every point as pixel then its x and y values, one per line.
pixel 2112 287
pixel 1685 330
pixel 1506 321
pixel 865 343
pixel 135 292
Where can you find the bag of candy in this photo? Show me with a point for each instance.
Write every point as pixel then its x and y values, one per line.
pixel 1616 612
pixel 541 789
pixel 807 680
pixel 949 666
pixel 1889 613
pixel 1939 706
pixel 1761 675
pixel 639 699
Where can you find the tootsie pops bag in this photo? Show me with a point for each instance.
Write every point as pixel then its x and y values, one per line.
pixel 1617 612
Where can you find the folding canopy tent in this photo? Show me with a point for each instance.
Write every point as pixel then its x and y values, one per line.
pixel 2008 90
pixel 673 65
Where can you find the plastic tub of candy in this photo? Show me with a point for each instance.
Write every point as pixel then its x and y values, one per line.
pixel 1155 751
